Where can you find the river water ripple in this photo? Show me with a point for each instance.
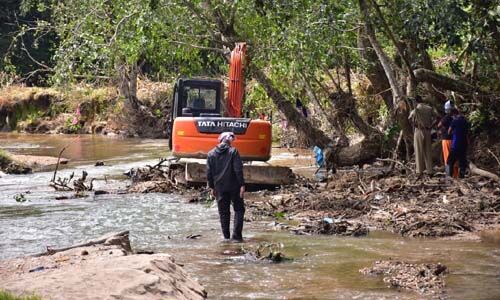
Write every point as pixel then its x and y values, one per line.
pixel 323 267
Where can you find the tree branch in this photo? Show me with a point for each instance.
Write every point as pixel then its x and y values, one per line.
pixel 425 75
pixel 388 31
pixel 382 56
pixel 219 50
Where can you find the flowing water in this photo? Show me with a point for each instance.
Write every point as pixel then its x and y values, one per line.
pixel 323 267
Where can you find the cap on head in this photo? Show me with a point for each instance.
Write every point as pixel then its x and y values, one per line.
pixel 226 137
pixel 449 105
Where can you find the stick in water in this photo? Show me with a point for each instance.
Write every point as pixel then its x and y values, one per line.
pixel 57 166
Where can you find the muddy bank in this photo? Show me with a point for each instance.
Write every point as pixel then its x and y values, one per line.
pixel 24 164
pixel 80 110
pixel 104 268
pixel 37 163
pixel 10 165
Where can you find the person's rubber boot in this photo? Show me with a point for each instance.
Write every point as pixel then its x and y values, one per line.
pixel 224 222
pixel 238 226
pixel 448 170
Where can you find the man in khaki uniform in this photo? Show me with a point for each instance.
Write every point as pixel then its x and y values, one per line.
pixel 423 117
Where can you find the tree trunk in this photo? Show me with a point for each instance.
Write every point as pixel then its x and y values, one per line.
pixel 314 99
pixel 401 106
pixel 437 97
pixel 128 85
pixel 384 60
pixel 345 108
pixel 138 118
pixel 297 120
pixel 374 70
pixel 363 152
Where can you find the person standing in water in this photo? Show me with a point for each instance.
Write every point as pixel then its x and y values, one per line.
pixel 225 179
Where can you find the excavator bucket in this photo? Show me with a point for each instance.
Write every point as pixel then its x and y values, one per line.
pixel 255 174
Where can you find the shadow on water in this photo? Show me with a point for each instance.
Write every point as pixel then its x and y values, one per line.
pixel 323 267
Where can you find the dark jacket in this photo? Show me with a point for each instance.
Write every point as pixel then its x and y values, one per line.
pixel 444 126
pixel 459 129
pixel 224 169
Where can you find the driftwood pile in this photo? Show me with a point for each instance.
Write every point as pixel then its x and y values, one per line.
pixel 328 226
pixel 79 184
pixel 426 279
pixel 269 252
pixel 159 178
pixel 404 204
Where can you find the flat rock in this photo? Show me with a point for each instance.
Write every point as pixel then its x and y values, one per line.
pixel 99 272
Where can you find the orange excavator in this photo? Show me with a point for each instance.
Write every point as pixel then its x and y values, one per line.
pixel 199 115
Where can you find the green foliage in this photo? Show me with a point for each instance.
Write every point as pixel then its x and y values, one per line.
pixel 292 41
pixel 276 131
pixel 483 118
pixel 9 296
pixel 158 113
pixel 391 132
pixel 279 214
pixel 71 127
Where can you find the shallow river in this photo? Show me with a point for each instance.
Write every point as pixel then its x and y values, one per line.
pixel 324 267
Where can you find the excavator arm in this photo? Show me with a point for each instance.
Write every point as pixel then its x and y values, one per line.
pixel 236 86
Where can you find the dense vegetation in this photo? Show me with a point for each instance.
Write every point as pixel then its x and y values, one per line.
pixel 355 64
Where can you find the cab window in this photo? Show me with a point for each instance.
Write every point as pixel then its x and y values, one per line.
pixel 200 98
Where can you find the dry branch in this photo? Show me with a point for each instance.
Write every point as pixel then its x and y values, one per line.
pixel 57 165
pixel 102 240
pixel 481 172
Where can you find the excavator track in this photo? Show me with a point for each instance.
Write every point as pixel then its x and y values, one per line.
pixel 193 172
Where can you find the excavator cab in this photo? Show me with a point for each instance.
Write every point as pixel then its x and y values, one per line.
pixel 197 98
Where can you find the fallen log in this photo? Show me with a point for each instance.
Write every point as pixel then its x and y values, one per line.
pixel 366 151
pixel 481 172
pixel 425 75
pixel 111 238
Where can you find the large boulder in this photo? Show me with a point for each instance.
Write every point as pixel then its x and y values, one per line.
pixel 101 271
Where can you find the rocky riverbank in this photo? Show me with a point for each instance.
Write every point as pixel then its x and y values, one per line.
pixel 81 109
pixel 104 268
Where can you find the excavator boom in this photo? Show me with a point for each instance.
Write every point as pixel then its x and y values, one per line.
pixel 236 86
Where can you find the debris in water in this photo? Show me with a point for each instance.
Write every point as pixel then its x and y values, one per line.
pixel 272 252
pixel 330 226
pixel 435 207
pixel 426 279
pixel 100 192
pixel 193 236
